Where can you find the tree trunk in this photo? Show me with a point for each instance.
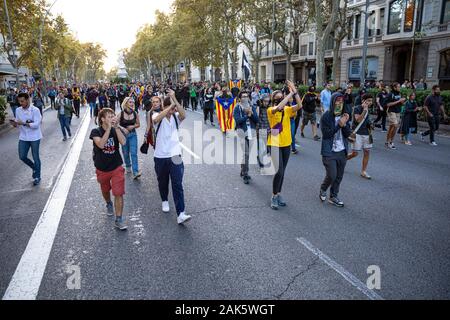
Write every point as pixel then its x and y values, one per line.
pixel 288 66
pixel 322 35
pixel 336 64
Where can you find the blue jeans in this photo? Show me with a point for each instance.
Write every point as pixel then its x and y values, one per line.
pixel 293 146
pixel 65 125
pixel 24 148
pixel 171 169
pixel 130 152
pixel 411 130
pixel 92 108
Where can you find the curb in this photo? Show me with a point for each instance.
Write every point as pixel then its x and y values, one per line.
pixel 6 127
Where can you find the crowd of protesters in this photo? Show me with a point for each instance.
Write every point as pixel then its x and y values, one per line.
pixel 264 117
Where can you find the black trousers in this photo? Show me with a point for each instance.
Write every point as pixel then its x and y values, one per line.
pixel 52 102
pixel 112 104
pixel 186 102
pixel 335 167
pixel 382 115
pixel 194 103
pixel 280 158
pixel 434 126
pixel 210 112
pixel 76 106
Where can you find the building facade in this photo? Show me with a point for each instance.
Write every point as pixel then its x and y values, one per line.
pixel 407 39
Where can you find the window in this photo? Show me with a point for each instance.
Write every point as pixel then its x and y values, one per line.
pixel 303 50
pixel 409 16
pixel 395 16
pixel 267 48
pixel 444 65
pixel 445 12
pixel 311 49
pixel 350 28
pixel 357 26
pixel 371 24
pixel 296 45
pixel 354 70
pixel 381 21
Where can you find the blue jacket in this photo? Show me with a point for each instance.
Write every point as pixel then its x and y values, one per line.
pixel 329 129
pixel 240 117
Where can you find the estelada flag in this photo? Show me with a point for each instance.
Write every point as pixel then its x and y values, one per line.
pixel 235 83
pixel 225 109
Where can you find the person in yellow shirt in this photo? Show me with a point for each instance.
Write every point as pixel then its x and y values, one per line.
pixel 280 137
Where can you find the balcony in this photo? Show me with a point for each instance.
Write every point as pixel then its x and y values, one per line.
pixel 271 53
pixel 443 27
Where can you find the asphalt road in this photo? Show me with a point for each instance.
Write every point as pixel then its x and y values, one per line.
pixel 236 247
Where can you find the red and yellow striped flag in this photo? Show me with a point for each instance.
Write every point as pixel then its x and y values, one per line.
pixel 225 109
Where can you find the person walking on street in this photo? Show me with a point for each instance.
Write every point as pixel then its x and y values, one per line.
pixel 262 128
pixel 11 99
pixel 409 120
pixel 382 108
pixel 433 105
pixel 76 96
pixel 310 101
pixel 64 110
pixel 280 138
pixel 108 163
pixel 394 104
pixel 335 132
pixel 246 119
pixel 193 95
pixel 129 122
pixel 38 100
pixel 91 97
pixel 169 165
pixel 28 118
pixel 208 108
pixel 364 140
pixel 52 93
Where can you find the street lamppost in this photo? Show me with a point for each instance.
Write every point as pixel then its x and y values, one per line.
pixel 41 31
pixel 14 58
pixel 366 36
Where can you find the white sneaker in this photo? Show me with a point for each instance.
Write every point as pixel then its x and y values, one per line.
pixel 182 218
pixel 165 206
pixel 434 144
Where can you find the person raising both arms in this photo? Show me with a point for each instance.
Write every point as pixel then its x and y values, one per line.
pixel 280 137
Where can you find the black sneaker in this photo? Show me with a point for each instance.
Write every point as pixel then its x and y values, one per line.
pixel 246 179
pixel 335 201
pixel 303 135
pixel 316 138
pixel 323 195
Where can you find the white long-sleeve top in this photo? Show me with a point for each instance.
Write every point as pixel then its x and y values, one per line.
pixel 33 132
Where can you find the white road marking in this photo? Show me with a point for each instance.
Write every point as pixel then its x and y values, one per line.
pixel 189 151
pixel 27 278
pixel 354 281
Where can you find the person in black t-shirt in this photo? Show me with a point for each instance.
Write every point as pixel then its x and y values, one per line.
pixel 394 104
pixel 310 101
pixel 108 162
pixel 381 107
pixel 434 104
pixel 364 134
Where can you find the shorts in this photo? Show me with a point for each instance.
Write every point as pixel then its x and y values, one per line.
pixel 309 117
pixel 114 180
pixel 362 142
pixel 394 119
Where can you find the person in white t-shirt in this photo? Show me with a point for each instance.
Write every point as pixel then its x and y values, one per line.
pixel 168 162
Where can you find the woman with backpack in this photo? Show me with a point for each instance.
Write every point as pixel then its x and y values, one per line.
pixel 169 165
pixel 129 122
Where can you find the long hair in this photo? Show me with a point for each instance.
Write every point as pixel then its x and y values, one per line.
pixel 125 102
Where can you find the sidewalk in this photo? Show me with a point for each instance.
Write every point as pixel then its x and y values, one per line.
pixel 444 129
pixel 6 127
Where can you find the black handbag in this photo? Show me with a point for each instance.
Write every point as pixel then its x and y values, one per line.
pixel 144 147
